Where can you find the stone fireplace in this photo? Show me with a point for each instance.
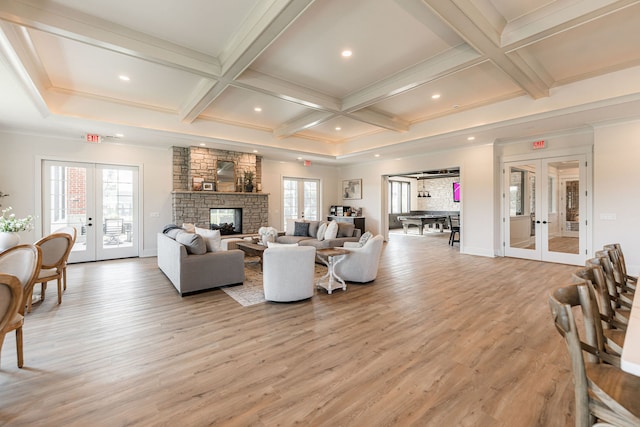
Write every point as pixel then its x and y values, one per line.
pixel 194 206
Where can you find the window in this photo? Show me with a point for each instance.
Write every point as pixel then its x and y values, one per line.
pixel 301 198
pixel 399 197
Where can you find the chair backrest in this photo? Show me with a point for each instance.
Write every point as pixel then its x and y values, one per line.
pixel 23 262
pixel 71 231
pixel 55 249
pixel 561 302
pixel 602 258
pixel 454 221
pixel 288 272
pixel 594 273
pixel 10 298
pixel 617 261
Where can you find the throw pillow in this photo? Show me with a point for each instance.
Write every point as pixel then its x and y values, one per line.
pixel 290 227
pixel 332 230
pixel 345 229
pixel 212 239
pixel 301 229
pixel 188 227
pixel 364 238
pixel 313 228
pixel 321 231
pixel 174 232
pixel 194 243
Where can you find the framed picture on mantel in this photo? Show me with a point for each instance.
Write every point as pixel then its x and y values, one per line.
pixel 352 189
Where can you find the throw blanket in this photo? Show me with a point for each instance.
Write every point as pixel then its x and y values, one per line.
pixel 169 227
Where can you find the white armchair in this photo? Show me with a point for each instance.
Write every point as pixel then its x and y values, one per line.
pixel 361 265
pixel 288 272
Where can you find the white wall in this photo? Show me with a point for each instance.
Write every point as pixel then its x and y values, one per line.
pixel 274 171
pixel 616 190
pixel 18 171
pixel 477 166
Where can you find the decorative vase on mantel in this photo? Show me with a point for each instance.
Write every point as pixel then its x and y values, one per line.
pixel 8 239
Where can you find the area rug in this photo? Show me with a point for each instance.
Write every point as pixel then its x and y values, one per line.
pixel 251 291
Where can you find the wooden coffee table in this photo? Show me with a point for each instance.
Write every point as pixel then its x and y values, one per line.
pixel 252 249
pixel 330 257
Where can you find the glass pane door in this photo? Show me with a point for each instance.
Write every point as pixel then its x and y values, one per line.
pixel 66 202
pixel 118 231
pixel 520 194
pixel 545 209
pixel 100 201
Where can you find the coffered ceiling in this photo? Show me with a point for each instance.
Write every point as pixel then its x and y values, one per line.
pixel 269 75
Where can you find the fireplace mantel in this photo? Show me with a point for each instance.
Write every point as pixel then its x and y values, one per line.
pixel 193 207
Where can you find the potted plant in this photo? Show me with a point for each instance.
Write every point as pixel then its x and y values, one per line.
pixel 248 181
pixel 9 227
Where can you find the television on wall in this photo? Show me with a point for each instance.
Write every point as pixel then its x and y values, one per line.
pixel 456 191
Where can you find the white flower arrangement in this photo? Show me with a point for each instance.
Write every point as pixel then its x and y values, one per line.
pixel 9 223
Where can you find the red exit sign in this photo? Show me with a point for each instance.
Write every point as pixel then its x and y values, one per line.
pixel 92 137
pixel 539 144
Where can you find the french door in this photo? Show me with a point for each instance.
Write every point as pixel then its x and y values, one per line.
pixel 545 209
pixel 100 201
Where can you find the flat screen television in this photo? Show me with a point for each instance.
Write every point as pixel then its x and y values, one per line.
pixel 456 191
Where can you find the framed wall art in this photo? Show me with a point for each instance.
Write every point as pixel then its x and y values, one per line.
pixel 352 189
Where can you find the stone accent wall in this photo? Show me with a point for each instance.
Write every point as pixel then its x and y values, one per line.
pixel 193 207
pixel 201 162
pixel 441 190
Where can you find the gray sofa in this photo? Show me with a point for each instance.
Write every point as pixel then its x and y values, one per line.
pixel 346 233
pixel 191 273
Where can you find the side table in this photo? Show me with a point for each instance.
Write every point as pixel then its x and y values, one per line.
pixel 330 257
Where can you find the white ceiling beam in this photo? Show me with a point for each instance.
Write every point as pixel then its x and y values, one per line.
pixel 313 119
pixel 375 118
pixel 476 30
pixel 193 106
pixel 15 47
pixel 268 85
pixel 260 30
pixel 84 28
pixel 449 62
pixel 556 17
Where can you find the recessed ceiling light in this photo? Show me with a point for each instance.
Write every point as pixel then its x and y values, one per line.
pixel 257 109
pixel 255 151
pixel 299 158
pixel 376 155
pixel 119 135
pixel 202 144
pixel 435 96
pixel 346 53
pixel 124 78
pixel 338 128
pixel 471 138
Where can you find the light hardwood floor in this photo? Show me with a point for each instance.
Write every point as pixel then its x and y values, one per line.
pixel 439 339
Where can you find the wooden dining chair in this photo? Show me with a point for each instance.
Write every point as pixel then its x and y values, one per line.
pixel 622 301
pixel 614 331
pixel 626 282
pixel 71 231
pixel 23 262
pixel 55 252
pixel 10 299
pixel 603 392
